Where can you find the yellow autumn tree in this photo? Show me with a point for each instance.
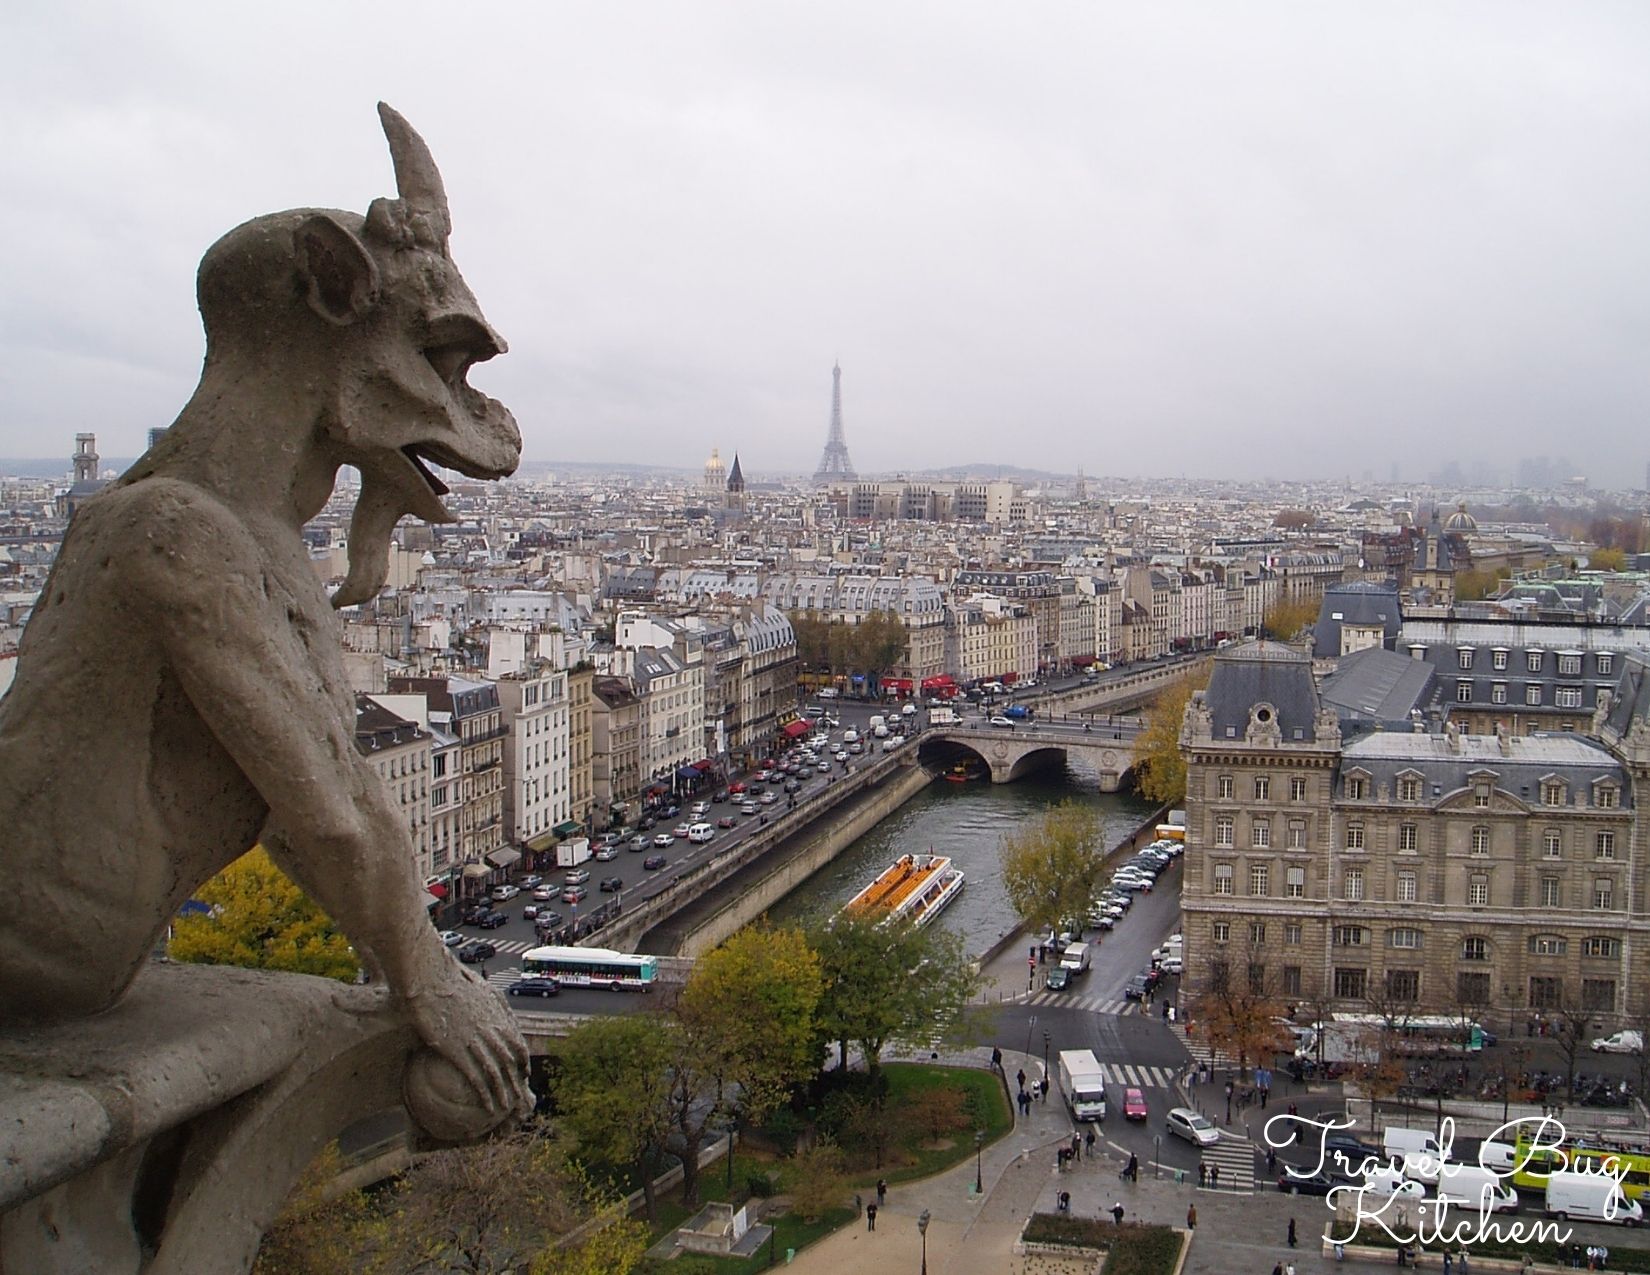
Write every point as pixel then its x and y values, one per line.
pixel 261 920
pixel 1051 865
pixel 1159 769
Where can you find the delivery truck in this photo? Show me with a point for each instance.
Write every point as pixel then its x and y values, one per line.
pixel 569 854
pixel 1082 1084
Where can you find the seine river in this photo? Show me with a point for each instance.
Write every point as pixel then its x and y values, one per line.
pixel 967 822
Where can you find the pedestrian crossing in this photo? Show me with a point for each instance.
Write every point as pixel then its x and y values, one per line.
pixel 1200 1049
pixel 1236 1158
pixel 1094 1004
pixel 1137 1076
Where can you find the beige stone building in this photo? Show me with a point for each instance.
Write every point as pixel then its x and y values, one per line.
pixel 1443 870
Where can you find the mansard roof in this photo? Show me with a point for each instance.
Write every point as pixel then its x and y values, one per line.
pixel 1261 673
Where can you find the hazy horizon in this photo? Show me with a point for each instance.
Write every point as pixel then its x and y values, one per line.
pixel 1278 240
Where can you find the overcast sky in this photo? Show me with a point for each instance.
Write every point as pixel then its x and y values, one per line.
pixel 1290 240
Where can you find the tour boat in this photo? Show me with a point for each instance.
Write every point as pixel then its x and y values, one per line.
pixel 963 771
pixel 915 886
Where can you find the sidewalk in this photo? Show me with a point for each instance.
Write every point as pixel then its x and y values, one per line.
pixel 1237 1232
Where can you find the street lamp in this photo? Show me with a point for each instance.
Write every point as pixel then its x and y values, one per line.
pixel 1045 1055
pixel 730 1159
pixel 922 1230
pixel 1157 1156
pixel 979 1180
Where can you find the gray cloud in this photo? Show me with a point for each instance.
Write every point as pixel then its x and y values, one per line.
pixel 1263 239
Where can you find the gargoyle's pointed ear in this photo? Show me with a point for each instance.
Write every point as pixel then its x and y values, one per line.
pixel 340 277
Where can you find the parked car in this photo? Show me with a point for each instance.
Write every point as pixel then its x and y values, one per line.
pixel 476 951
pixel 1185 1123
pixel 504 893
pixel 654 862
pixel 611 885
pixel 1134 1105
pixel 533 985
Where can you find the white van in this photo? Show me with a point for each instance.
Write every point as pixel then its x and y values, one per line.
pixel 850 736
pixel 1473 1188
pixel 699 833
pixel 1397 1142
pixel 1076 958
pixel 1591 1197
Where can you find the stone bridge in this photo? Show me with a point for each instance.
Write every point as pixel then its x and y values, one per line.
pixel 1012 751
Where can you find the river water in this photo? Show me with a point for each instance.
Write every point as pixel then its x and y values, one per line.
pixel 966 821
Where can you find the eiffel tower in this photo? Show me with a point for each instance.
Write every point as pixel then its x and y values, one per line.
pixel 834 464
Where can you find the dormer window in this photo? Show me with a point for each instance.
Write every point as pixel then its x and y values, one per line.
pixel 1463 657
pixel 1606 796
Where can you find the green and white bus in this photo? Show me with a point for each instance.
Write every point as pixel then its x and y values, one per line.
pixel 593 967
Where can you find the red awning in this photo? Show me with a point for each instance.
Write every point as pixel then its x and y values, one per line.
pixel 796 730
pixel 707 764
pixel 931 683
pixel 896 684
pixel 439 890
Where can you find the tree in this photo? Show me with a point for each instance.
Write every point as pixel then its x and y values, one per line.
pixel 746 1035
pixel 1050 867
pixel 1294 519
pixel 1570 1026
pixel 1286 617
pixel 613 1093
pixel 881 642
pixel 1159 769
pixel 817 1176
pixel 1476 584
pixel 884 979
pixel 1607 560
pixel 261 920
pixel 1237 1009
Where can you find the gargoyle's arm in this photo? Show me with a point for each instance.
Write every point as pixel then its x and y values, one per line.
pixel 254 663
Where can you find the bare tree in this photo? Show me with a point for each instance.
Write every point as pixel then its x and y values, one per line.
pixel 1570 1028
pixel 1239 1009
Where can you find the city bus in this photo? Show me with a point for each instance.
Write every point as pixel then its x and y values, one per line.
pixel 593 967
pixel 1421 1035
pixel 1630 1162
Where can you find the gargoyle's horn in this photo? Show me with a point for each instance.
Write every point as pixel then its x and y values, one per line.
pixel 417 179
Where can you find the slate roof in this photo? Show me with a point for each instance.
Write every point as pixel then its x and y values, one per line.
pixel 1363 603
pixel 1528 759
pixel 1261 672
pixel 1377 685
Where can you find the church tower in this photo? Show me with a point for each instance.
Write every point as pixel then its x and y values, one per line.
pixel 735 496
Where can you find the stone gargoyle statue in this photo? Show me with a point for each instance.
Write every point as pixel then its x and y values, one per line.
pixel 180 693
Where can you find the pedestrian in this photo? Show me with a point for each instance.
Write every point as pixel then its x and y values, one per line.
pixel 1202 1174
pixel 1271 1159
pixel 1025 1104
pixel 1117 1213
pixel 870 1217
pixel 1277 1268
pixel 1043 1085
pixel 1132 1172
pixel 1461 1264
pixel 1449 1263
pixel 1088 1141
pixel 1214 1177
pixel 1288 1268
pixel 1291 1232
pixel 996 1059
pixel 882 1191
pixel 1191 1216
pixel 1076 1146
pixel 1021 1077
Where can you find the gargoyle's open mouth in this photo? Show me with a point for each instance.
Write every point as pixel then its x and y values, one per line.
pixel 410 451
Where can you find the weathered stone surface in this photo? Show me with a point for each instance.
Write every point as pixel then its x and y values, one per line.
pixel 180 695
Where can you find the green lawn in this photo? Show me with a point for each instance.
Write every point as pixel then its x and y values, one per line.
pixel 986 1095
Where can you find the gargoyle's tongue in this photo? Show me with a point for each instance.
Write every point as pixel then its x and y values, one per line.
pixel 370 527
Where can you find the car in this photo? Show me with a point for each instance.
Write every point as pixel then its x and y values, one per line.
pixel 769 798
pixel 654 862
pixel 611 885
pixel 719 796
pixel 1000 720
pixel 533 985
pixel 681 831
pixel 578 876
pixel 547 919
pixel 544 893
pixel 727 821
pixel 1153 978
pixel 841 754
pixel 646 823
pixel 828 692
pixel 1622 1042
pixel 1318 1182
pixel 1058 979
pixel 504 893
pixel 824 768
pixel 1347 1155
pixel 670 811
pixel 1136 989
pixel 451 938
pixel 664 841
pixel 574 894
pixel 793 785
pixel 607 854
pixel 699 808
pixel 1106 922
pixel 1172 965
pixel 749 808
pixel 476 951
pixel 1185 1123
pixel 735 788
pixel 638 842
pixel 1134 1105
pixel 529 881
pixel 490 920
pixel 1385 1181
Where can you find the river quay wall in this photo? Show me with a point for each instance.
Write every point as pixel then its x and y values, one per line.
pixel 745 895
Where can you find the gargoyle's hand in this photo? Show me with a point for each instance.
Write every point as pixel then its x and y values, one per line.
pixel 465 1021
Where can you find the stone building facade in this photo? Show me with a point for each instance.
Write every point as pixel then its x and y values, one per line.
pixel 1436 869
